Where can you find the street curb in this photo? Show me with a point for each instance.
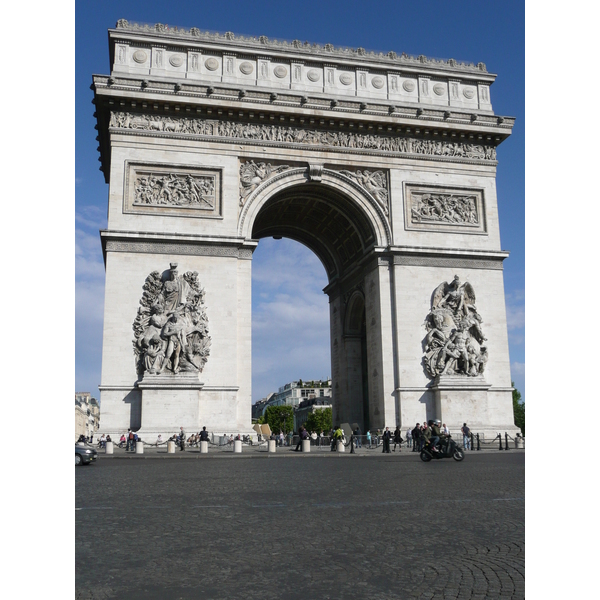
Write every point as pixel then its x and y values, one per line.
pixel 196 455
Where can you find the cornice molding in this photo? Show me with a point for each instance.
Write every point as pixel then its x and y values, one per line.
pixel 156 243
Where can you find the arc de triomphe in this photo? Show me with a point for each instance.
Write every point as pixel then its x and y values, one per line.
pixel 382 164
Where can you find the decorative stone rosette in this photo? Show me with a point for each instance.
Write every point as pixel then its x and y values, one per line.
pixel 455 344
pixel 171 327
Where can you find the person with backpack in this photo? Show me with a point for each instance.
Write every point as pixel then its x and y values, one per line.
pixel 466 436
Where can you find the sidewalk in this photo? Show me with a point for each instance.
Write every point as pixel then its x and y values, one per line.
pixel 262 452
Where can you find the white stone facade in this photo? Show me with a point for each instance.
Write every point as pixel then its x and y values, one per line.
pixel 344 151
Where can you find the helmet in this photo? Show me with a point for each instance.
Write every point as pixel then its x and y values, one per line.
pixel 438 422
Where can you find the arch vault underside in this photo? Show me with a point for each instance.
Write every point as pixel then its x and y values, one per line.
pixel 211 143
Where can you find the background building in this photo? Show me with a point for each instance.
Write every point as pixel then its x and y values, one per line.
pixel 293 393
pixel 308 406
pixel 87 415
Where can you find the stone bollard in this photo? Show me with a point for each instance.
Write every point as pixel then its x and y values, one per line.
pixel 204 447
pixel 139 447
pixel 340 447
pixel 109 449
pixel 171 447
pixel 305 445
pixel 237 446
pixel 272 446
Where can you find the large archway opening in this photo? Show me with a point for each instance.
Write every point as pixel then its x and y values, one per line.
pixel 333 228
pixel 290 316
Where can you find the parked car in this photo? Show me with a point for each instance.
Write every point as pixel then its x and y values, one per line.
pixel 84 455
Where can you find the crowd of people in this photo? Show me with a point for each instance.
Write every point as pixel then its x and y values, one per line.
pixel 416 438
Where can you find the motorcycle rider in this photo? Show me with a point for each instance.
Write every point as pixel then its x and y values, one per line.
pixel 436 435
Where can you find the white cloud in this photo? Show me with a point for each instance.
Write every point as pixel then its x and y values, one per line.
pixel 290 321
pixel 518 368
pixel 91 216
pixel 515 316
pixel 89 300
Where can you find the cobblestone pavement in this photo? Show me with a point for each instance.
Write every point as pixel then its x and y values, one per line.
pixel 290 526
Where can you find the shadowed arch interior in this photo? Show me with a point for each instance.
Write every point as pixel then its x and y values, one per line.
pixel 355 343
pixel 324 220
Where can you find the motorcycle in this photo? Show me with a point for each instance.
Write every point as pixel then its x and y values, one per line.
pixel 447 448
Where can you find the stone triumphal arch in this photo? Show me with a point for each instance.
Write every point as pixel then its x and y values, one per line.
pixel 382 164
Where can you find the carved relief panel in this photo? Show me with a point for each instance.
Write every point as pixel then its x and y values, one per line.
pixel 432 208
pixel 455 343
pixel 154 189
pixel 171 326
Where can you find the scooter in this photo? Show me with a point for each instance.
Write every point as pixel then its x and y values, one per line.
pixel 447 449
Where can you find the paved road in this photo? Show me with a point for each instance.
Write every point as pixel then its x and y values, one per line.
pixel 324 527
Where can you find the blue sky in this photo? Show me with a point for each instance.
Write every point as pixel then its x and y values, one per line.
pixel 291 319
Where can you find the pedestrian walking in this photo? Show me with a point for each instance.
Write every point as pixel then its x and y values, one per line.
pixel 466 432
pixel 299 444
pixel 357 434
pixel 129 440
pixel 398 439
pixel 369 437
pixel 181 439
pixel 409 438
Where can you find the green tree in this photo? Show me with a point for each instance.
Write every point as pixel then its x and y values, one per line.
pixel 518 408
pixel 280 417
pixel 320 420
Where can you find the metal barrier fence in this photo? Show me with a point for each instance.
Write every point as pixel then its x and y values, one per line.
pixel 476 442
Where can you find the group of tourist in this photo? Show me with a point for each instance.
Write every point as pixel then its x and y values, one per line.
pixel 180 439
pixel 416 438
